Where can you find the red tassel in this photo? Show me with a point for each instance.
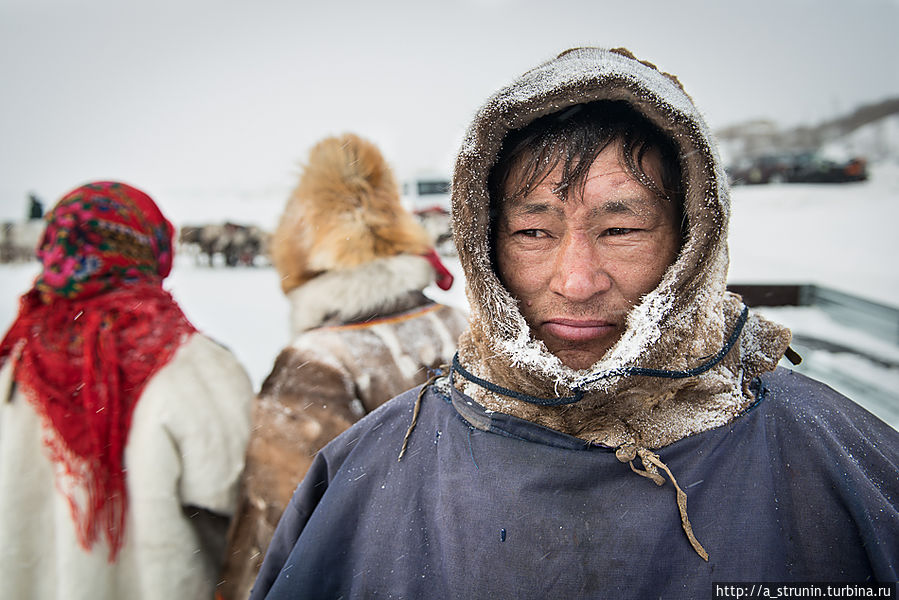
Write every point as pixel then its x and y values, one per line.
pixel 444 278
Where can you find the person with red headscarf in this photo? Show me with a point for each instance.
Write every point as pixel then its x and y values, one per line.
pixel 122 429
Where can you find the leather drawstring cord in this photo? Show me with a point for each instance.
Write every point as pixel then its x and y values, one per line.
pixel 651 461
pixel 625 453
pixel 438 373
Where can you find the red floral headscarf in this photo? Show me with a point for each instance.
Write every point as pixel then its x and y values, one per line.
pixel 88 337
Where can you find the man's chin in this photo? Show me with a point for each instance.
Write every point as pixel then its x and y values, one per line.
pixel 580 356
pixel 580 359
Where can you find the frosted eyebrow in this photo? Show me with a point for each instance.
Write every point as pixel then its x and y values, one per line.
pixel 615 207
pixel 636 207
pixel 532 208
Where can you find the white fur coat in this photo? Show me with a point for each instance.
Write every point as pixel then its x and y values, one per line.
pixel 185 449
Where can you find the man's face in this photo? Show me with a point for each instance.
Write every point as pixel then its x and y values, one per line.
pixel 578 266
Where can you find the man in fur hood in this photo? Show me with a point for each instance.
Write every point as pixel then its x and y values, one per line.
pixel 606 375
pixel 353 264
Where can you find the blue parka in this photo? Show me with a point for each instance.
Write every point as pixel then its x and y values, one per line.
pixel 801 487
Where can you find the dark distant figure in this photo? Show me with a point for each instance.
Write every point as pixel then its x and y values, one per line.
pixel 35 208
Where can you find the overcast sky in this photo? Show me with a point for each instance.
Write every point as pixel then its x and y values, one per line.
pixel 201 97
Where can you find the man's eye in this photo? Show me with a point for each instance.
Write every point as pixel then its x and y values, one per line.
pixel 618 231
pixel 534 233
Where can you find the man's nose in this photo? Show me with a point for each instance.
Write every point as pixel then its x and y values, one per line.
pixel 579 270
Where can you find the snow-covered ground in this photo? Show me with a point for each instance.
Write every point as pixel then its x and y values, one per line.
pixel 839 236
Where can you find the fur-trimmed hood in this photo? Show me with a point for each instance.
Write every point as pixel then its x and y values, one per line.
pixel 677 327
pixel 344 212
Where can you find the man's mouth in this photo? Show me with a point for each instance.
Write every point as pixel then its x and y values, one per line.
pixel 577 330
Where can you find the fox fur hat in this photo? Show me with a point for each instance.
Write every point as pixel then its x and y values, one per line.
pixel 344 212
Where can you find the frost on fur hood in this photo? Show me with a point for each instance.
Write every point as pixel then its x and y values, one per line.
pixel 676 327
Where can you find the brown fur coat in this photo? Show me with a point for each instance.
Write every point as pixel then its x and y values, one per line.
pixel 349 257
pixel 325 381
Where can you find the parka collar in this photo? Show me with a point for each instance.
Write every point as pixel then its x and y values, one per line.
pixel 375 288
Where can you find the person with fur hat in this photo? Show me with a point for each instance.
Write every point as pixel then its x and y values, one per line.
pixel 122 429
pixel 607 377
pixel 353 264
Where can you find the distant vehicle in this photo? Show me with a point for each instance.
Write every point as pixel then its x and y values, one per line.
pixel 428 198
pixel 813 168
pixel 427 194
pixel 807 167
pixel 770 168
